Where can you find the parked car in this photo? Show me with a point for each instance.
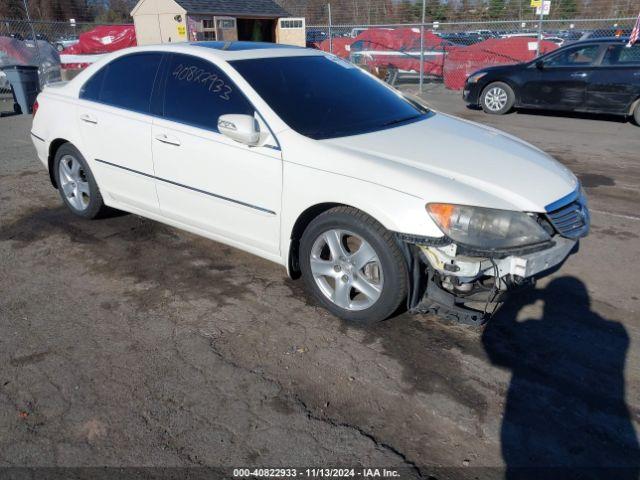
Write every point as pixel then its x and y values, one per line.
pixel 66 42
pixel 304 159
pixel 606 33
pixel 600 76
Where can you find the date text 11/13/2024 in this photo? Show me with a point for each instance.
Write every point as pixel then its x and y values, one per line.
pixel 316 472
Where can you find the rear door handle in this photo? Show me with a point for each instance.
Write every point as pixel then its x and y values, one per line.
pixel 168 139
pixel 579 75
pixel 88 119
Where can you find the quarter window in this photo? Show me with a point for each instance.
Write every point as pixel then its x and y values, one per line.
pixel 197 93
pixel 92 87
pixel 126 82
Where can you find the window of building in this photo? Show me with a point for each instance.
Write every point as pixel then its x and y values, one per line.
pixel 292 23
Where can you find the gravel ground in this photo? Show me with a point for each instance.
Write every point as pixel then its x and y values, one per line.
pixel 124 342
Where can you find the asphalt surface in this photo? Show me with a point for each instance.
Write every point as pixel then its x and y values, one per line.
pixel 124 342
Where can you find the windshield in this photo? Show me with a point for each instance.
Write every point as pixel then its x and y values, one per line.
pixel 324 97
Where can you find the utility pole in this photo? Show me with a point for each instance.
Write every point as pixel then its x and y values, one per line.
pixel 424 13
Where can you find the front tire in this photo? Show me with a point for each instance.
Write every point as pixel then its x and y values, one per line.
pixel 76 184
pixel 636 114
pixel 352 266
pixel 497 98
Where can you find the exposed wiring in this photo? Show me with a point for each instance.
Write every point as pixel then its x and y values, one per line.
pixel 494 290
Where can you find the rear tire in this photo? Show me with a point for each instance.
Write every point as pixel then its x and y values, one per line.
pixel 76 184
pixel 391 76
pixel 636 114
pixel 352 266
pixel 497 98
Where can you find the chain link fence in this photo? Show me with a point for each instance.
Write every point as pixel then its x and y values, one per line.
pixel 38 43
pixel 399 51
pixel 449 52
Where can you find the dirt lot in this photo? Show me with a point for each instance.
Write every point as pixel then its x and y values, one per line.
pixel 127 343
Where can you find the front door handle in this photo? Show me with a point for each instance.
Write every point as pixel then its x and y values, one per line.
pixel 88 119
pixel 579 75
pixel 168 139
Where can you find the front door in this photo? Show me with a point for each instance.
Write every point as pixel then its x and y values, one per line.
pixel 205 180
pixel 113 114
pixel 562 81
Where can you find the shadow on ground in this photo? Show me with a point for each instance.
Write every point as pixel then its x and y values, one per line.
pixel 566 404
pixel 565 409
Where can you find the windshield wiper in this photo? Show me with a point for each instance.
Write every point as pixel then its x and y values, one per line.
pixel 402 120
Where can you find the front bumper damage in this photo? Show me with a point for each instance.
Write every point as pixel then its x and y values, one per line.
pixel 463 285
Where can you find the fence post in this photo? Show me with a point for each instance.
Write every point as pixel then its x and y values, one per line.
pixel 33 32
pixel 424 11
pixel 540 29
pixel 330 36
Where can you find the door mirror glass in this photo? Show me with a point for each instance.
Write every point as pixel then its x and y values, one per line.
pixel 540 65
pixel 241 128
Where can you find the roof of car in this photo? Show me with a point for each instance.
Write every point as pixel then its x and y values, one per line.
pixel 237 46
pixel 230 51
pixel 601 40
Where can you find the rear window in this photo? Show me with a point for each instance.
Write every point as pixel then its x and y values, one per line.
pixel 622 55
pixel 126 82
pixel 325 97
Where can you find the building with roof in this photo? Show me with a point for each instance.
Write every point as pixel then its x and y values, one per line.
pixel 166 21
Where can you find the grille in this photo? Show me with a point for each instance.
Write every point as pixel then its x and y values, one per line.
pixel 572 220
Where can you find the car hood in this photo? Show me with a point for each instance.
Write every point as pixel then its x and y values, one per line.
pixel 485 165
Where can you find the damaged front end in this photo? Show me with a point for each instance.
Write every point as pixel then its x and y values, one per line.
pixel 464 283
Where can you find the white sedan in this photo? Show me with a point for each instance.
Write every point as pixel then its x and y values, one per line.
pixel 301 158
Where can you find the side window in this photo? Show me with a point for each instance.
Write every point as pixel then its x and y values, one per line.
pixel 197 93
pixel 128 81
pixel 92 87
pixel 579 56
pixel 622 55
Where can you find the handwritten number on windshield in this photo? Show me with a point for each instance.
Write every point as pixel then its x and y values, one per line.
pixel 197 75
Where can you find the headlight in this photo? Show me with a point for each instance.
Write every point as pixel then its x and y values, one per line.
pixel 486 228
pixel 475 77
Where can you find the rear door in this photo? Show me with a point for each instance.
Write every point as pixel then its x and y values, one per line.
pixel 615 84
pixel 115 121
pixel 562 82
pixel 204 179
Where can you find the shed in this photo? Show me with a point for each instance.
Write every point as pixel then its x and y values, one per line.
pixel 163 21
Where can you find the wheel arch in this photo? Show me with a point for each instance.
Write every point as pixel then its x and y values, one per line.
pixel 302 222
pixel 633 106
pixel 54 146
pixel 299 226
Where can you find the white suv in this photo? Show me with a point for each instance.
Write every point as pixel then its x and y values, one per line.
pixel 301 158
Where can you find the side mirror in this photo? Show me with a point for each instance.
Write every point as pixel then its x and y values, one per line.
pixel 539 64
pixel 241 128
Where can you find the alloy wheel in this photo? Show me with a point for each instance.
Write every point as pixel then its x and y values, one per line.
pixel 74 183
pixel 346 269
pixel 496 99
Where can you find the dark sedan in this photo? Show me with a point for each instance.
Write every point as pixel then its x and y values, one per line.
pixel 599 76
